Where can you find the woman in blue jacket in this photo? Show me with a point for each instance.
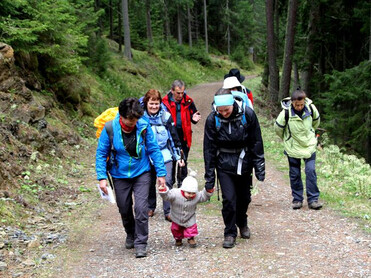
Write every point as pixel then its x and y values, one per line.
pixel 168 141
pixel 130 149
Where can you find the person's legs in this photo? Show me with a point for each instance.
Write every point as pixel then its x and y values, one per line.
pixel 140 190
pixel 229 203
pixel 295 179
pixel 243 192
pixel 169 184
pixel 311 179
pixel 152 192
pixel 123 192
pixel 177 231
pixel 183 170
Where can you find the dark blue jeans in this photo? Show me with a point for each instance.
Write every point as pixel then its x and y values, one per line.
pixel 310 182
pixel 125 189
pixel 236 194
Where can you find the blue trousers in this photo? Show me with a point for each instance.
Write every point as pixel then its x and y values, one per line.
pixel 236 194
pixel 310 182
pixel 152 190
pixel 135 226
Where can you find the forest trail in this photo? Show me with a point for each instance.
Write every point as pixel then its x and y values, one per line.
pixel 284 242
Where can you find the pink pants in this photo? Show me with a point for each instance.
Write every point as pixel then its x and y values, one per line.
pixel 180 232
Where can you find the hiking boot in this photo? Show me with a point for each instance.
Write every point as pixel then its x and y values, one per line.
pixel 315 205
pixel 140 252
pixel 297 205
pixel 129 242
pixel 178 242
pixel 245 232
pixel 151 213
pixel 229 242
pixel 192 242
pixel 168 218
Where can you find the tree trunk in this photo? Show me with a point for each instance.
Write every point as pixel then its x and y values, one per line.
pixel 228 30
pixel 310 56
pixel 205 21
pixel 296 76
pixel 120 25
pixel 271 48
pixel 189 26
pixel 110 11
pixel 180 35
pixel 289 49
pixel 369 42
pixel 100 25
pixel 127 41
pixel 167 24
pixel 148 21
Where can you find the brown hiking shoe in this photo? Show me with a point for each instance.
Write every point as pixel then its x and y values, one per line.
pixel 192 242
pixel 229 242
pixel 297 205
pixel 178 242
pixel 245 232
pixel 315 205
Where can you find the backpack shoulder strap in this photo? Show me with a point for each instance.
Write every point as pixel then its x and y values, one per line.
pixel 109 130
pixel 286 116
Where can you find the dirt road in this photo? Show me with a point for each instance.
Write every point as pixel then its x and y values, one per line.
pixel 284 242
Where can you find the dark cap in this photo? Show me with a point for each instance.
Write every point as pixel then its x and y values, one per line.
pixel 236 73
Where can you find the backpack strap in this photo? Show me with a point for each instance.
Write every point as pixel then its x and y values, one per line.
pixel 112 155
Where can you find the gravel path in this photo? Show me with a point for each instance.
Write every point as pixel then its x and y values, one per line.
pixel 284 242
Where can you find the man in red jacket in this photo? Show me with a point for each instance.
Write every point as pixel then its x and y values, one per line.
pixel 184 112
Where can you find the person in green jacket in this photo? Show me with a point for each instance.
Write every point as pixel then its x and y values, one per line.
pixel 296 125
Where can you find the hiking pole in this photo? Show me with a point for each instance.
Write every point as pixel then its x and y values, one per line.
pixel 217 187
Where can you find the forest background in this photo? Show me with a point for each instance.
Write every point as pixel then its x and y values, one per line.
pixel 76 58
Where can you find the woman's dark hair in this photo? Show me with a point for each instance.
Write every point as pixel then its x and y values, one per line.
pixel 130 108
pixel 152 94
pixel 222 91
pixel 298 94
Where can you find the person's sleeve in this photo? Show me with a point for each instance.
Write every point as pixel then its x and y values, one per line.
pixel 204 196
pixel 316 117
pixel 280 124
pixel 210 151
pixel 255 145
pixel 101 155
pixel 155 153
pixel 168 195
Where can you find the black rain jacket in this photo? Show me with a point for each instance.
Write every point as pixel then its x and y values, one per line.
pixel 233 135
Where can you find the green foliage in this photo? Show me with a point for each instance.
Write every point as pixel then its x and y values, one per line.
pixel 347 110
pixel 99 56
pixel 241 56
pixel 50 29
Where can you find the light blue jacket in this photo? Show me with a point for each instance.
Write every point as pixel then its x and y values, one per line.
pixel 162 134
pixel 129 166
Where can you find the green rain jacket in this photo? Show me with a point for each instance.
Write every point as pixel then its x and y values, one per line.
pixel 298 134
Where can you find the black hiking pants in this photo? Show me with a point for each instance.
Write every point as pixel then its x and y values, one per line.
pixel 236 194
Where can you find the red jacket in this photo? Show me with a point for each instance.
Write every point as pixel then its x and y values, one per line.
pixel 187 109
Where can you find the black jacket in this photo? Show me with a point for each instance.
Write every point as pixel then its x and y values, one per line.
pixel 222 145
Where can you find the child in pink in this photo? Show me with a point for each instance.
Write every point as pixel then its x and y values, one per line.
pixel 183 203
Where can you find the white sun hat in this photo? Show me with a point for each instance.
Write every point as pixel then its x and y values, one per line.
pixel 190 184
pixel 231 82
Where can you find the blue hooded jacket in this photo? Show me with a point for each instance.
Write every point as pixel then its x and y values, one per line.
pixel 129 166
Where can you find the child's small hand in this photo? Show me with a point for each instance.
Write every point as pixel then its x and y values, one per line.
pixel 210 190
pixel 161 187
